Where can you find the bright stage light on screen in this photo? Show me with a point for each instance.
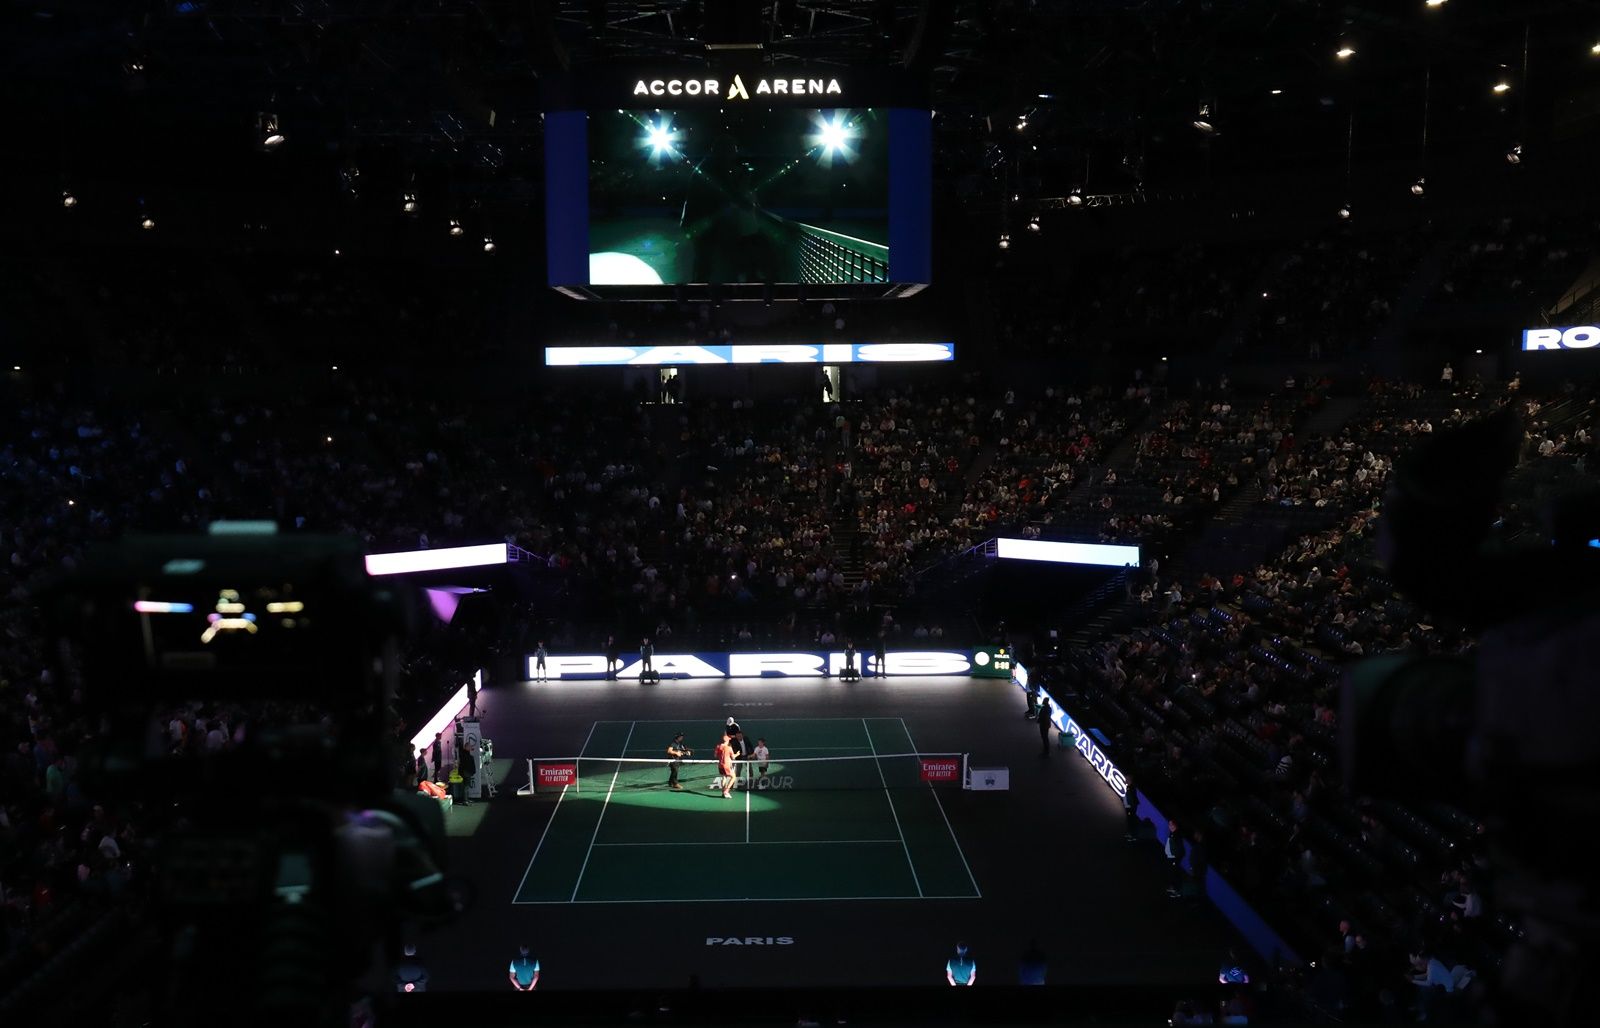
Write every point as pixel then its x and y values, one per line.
pixel 832 137
pixel 660 139
pixel 621 269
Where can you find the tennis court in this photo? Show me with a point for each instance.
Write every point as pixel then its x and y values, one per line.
pixel 861 825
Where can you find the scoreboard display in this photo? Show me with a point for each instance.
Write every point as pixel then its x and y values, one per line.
pixel 741 177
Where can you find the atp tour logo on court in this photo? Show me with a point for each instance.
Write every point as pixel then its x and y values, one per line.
pixel 922 663
pixel 737 90
pixel 1578 337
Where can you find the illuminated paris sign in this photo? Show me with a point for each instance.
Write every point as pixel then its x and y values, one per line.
pixel 759 665
pixel 737 89
pixel 673 356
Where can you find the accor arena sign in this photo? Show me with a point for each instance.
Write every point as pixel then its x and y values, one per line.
pixel 1577 337
pixel 816 664
pixel 737 88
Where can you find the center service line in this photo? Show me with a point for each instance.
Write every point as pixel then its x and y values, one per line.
pixel 603 808
pixel 885 781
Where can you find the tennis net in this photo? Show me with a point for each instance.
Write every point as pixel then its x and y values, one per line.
pixel 867 771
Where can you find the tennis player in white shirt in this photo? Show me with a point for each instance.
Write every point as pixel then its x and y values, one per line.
pixel 762 755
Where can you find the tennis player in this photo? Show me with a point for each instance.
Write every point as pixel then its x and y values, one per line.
pixel 762 755
pixel 677 751
pixel 725 765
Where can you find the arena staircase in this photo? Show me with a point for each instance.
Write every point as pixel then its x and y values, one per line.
pixel 1243 533
pixel 1435 264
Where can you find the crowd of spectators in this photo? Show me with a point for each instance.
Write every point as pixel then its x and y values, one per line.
pixel 1224 705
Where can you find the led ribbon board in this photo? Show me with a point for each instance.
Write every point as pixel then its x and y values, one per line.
pixel 1577 337
pixel 679 356
pixel 1091 554
pixel 924 663
pixel 450 557
pixel 1086 745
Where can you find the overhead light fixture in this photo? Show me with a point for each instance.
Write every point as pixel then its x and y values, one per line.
pixel 1502 86
pixel 67 199
pixel 1344 212
pixel 146 222
pixel 1477 351
pixel 1033 223
pixel 270 131
pixel 1419 187
pixel 1514 155
pixel 1022 124
pixel 1075 198
pixel 455 227
pixel 1005 241
pixel 1595 49
pixel 1277 92
pixel 1344 53
pixel 488 244
pixel 408 203
pixel 1434 3
pixel 1203 121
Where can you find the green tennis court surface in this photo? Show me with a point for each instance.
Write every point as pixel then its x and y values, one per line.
pixel 862 829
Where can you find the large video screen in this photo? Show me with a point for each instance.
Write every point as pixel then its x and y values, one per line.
pixel 743 194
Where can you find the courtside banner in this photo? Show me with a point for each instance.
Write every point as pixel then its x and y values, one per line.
pixel 940 769
pixel 778 353
pixel 816 664
pixel 557 775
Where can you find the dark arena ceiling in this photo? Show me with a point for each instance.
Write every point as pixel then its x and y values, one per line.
pixel 161 101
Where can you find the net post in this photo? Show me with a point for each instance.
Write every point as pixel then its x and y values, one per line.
pixel 966 771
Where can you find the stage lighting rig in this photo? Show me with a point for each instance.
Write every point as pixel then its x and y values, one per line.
pixel 68 200
pixel 455 227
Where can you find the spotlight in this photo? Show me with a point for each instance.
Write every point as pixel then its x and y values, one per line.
pixel 455 227
pixel 488 244
pixel 1203 121
pixel 1502 86
pixel 1477 351
pixel 270 131
pixel 1344 212
pixel 834 135
pixel 1276 92
pixel 146 222
pixel 659 138
pixel 1514 155
pixel 1419 187
pixel 1595 49
pixel 1075 198
pixel 1434 3
pixel 408 203
pixel 1005 241
pixel 67 199
pixel 1344 53
pixel 1033 223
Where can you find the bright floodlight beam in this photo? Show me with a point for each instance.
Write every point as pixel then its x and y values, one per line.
pixel 835 135
pixel 659 137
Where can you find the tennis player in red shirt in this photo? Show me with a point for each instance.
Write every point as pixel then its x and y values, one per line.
pixel 724 753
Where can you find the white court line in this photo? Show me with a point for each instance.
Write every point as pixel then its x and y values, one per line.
pixel 892 813
pixel 942 814
pixel 754 720
pixel 747 792
pixel 553 811
pixel 603 808
pixel 744 899
pixel 765 842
